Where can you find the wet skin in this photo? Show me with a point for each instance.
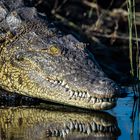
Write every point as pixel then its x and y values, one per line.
pixel 39 61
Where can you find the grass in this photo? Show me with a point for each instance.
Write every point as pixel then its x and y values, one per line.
pixel 136 89
pixel 130 24
pixel 135 73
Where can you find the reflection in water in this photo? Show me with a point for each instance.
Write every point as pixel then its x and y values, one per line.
pixel 51 122
pixel 22 123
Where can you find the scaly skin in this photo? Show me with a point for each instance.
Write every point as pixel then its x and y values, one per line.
pixel 24 123
pixel 38 61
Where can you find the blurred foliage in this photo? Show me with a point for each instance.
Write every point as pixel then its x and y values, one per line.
pixel 103 25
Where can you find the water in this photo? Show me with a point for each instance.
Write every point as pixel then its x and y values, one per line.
pixel 53 122
pixel 129 128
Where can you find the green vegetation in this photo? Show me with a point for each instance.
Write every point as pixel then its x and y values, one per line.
pixel 134 73
pixel 133 29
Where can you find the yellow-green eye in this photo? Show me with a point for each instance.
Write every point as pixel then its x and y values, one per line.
pixel 54 50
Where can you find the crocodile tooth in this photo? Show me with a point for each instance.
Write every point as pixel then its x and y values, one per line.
pixel 66 86
pixel 84 128
pixel 101 100
pixel 63 83
pixel 83 94
pixel 55 82
pixel 71 93
pixel 98 127
pixel 76 94
pixel 63 133
pixel 88 129
pixel 56 132
pixel 97 100
pixel 48 132
pixel 93 126
pixel 93 100
pixel 70 125
pixel 105 100
pixel 51 81
pixel 87 95
pixel 67 130
pixel 53 133
pixel 113 99
pixel 101 127
pixel 47 79
pixel 110 129
pixel 80 127
pixel 80 94
pixel 76 125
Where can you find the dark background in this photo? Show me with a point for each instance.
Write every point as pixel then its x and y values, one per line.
pixel 102 25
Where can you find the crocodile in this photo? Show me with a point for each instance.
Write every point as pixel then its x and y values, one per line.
pixel 55 122
pixel 38 60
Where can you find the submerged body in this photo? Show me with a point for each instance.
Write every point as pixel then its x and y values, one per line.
pixel 38 61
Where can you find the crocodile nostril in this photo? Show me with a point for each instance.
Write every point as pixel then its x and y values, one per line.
pixel 103 81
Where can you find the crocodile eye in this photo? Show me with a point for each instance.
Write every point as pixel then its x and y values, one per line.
pixel 19 57
pixel 54 50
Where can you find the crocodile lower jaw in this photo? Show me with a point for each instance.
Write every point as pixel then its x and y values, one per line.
pixel 103 103
pixel 86 101
pixel 99 104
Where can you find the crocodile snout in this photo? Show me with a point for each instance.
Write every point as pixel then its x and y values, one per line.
pixel 105 88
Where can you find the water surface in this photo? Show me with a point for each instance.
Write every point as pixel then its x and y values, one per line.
pixel 41 121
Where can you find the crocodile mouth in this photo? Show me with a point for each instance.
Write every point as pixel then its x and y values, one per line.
pixel 84 99
pixel 95 102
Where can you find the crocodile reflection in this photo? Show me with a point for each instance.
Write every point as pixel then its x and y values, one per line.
pixel 49 123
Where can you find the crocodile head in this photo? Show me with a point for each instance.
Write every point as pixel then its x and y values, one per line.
pixel 39 61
